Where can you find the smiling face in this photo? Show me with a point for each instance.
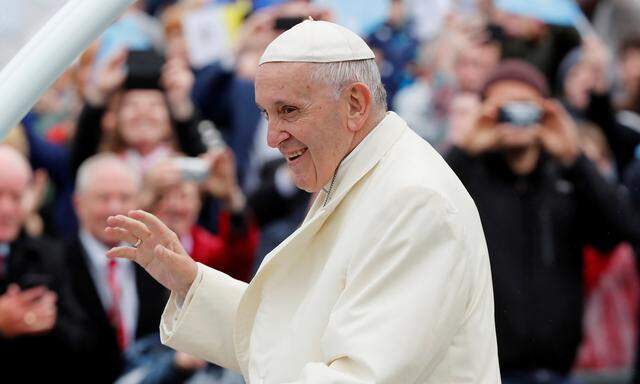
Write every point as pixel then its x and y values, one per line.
pixel 178 207
pixel 111 189
pixel 307 122
pixel 144 119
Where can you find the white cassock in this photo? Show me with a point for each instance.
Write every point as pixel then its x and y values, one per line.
pixel 389 282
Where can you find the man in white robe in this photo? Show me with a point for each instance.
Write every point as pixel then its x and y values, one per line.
pixel 387 280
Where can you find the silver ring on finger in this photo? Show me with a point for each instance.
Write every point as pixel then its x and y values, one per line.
pixel 137 244
pixel 30 318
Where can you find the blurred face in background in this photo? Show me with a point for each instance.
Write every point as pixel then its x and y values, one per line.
pixel 578 85
pixel 629 70
pixel 506 91
pixel 143 119
pixel 474 63
pixel 15 175
pixel 179 206
pixel 520 145
pixel 110 188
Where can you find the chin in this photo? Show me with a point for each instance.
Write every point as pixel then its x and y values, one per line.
pixel 307 187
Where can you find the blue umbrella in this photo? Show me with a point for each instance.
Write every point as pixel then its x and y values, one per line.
pixel 557 12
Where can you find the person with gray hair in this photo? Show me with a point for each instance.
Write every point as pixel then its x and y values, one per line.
pixel 386 281
pixel 120 302
pixel 37 312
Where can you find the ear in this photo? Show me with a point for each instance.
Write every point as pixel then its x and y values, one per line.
pixel 359 100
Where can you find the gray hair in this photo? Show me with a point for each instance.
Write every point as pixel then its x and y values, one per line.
pixel 89 167
pixel 342 73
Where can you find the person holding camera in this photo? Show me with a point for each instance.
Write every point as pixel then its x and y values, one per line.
pixel 119 303
pixel 38 315
pixel 541 200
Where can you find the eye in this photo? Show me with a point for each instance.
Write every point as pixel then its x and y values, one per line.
pixel 264 113
pixel 287 109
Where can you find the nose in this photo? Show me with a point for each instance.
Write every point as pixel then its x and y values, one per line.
pixel 116 206
pixel 275 136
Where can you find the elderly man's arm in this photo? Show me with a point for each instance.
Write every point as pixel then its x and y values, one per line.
pixel 198 318
pixel 407 298
pixel 202 323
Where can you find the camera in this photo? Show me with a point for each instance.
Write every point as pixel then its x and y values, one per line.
pixel 192 168
pixel 144 69
pixel 520 113
pixel 286 23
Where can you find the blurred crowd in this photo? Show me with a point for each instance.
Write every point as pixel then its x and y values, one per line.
pixel 536 108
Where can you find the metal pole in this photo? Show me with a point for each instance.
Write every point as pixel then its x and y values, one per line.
pixel 39 63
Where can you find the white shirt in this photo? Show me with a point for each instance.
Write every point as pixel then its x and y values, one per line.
pixel 4 256
pixel 126 276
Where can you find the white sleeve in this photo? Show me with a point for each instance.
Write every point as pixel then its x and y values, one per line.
pixel 203 324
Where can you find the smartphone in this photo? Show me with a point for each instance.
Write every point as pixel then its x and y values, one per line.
pixel 286 23
pixel 144 69
pixel 192 168
pixel 520 113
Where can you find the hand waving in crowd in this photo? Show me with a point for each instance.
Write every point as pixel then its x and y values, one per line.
pixel 156 248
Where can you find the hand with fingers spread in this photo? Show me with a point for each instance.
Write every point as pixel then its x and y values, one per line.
pixel 157 249
pixel 27 312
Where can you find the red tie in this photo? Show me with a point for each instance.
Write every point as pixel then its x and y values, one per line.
pixel 4 253
pixel 115 316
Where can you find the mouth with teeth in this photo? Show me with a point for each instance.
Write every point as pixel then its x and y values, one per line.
pixel 293 156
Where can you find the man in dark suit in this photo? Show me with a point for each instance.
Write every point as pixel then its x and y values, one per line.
pixel 37 313
pixel 120 301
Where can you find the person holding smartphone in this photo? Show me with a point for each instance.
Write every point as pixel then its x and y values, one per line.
pixel 540 200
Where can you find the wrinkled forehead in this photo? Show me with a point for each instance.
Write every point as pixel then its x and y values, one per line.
pixel 283 81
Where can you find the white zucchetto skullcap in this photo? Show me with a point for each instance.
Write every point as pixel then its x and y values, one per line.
pixel 317 42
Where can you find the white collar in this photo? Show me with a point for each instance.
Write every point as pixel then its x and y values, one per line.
pixel 343 166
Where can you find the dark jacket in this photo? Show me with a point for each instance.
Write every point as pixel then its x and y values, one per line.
pixel 536 228
pixel 99 359
pixel 622 140
pixel 45 357
pixel 54 158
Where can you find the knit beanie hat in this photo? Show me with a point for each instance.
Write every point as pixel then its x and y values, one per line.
pixel 517 70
